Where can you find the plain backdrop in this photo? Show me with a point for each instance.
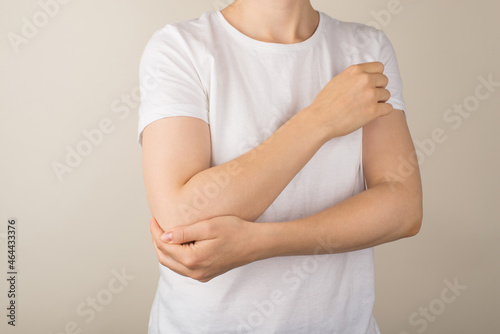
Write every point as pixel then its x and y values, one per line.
pixel 78 71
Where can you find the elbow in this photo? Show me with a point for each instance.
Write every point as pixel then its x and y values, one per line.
pixel 177 209
pixel 407 207
pixel 414 228
pixel 169 210
pixel 414 220
pixel 166 220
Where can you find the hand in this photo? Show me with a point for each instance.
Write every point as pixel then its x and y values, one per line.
pixel 207 248
pixel 352 99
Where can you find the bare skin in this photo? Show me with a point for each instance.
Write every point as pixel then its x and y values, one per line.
pixel 292 21
pixel 221 236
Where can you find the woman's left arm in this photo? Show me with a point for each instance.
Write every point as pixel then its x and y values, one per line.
pixel 390 209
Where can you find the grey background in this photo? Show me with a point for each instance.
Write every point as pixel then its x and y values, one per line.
pixel 76 232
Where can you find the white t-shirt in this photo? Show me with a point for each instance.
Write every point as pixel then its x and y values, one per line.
pixel 246 89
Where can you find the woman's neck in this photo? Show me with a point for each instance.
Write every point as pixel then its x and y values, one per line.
pixel 273 21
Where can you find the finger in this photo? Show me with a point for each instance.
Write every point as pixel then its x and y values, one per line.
pixel 184 254
pixel 159 254
pixel 373 67
pixel 169 256
pixel 188 233
pixel 380 80
pixel 170 262
pixel 156 233
pixel 172 256
pixel 383 95
pixel 384 109
pixel 156 230
pixel 167 250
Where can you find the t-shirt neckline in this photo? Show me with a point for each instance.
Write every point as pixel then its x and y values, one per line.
pixel 274 46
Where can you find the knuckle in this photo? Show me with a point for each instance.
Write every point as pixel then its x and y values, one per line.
pixel 383 109
pixel 199 276
pixel 179 235
pixel 381 66
pixel 389 108
pixel 194 261
pixel 365 78
pixel 354 68
pixel 190 262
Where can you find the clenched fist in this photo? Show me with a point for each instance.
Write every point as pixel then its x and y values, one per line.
pixel 352 99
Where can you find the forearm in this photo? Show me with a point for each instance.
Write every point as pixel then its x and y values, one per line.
pixel 384 213
pixel 247 185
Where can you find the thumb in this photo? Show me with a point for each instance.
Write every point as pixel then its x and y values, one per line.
pixel 184 234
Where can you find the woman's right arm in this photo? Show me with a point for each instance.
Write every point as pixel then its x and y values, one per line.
pixel 182 188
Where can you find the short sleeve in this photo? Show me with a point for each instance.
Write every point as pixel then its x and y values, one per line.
pixel 391 70
pixel 169 83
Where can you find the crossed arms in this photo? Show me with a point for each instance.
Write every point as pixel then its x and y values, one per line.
pixel 204 243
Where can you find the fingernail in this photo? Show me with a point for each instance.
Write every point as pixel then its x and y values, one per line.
pixel 166 237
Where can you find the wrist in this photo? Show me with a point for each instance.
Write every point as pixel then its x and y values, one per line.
pixel 312 120
pixel 272 239
pixel 262 243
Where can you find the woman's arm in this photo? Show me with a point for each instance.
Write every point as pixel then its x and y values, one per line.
pixel 182 189
pixel 390 209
